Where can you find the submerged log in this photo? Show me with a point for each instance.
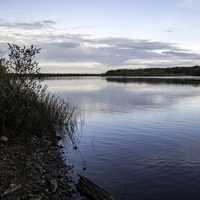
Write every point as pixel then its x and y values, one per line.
pixel 91 190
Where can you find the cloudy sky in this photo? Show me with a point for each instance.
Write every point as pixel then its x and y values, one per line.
pixel 97 35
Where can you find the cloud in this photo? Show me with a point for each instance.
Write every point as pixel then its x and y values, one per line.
pixel 27 25
pixel 65 45
pixel 169 30
pixel 141 63
pixel 191 4
pixel 183 55
pixel 126 43
pixel 66 50
pixel 1 52
pixel 117 52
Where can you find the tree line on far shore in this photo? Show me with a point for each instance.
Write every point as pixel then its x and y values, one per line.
pixel 171 71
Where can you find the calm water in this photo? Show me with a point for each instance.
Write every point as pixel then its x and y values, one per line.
pixel 140 141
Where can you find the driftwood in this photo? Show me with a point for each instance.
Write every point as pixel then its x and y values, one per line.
pixel 11 190
pixel 91 190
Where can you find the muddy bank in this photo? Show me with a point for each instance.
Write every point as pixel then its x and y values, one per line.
pixel 34 169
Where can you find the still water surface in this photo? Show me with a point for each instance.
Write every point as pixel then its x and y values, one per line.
pixel 140 141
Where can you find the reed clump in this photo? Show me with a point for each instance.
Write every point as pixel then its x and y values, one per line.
pixel 26 108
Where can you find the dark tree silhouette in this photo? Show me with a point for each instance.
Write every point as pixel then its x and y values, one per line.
pixel 21 60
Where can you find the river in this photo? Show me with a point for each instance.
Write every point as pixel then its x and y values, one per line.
pixel 140 140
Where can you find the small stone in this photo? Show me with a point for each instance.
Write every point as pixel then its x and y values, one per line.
pixel 84 168
pixel 54 185
pixel 4 139
pixel 58 137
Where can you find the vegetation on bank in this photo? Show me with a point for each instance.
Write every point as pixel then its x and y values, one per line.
pixel 26 108
pixel 52 75
pixel 173 71
pixel 31 162
pixel 32 122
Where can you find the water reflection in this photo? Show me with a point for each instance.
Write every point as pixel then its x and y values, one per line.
pixel 140 140
pixel 96 95
pixel 194 81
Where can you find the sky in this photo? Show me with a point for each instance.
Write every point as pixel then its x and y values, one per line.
pixel 92 36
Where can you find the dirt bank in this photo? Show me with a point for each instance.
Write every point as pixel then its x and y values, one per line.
pixel 34 169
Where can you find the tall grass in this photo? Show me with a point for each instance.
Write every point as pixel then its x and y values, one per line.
pixel 26 108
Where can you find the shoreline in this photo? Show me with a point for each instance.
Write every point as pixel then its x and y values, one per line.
pixel 35 170
pixel 169 71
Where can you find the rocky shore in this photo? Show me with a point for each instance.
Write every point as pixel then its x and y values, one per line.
pixel 34 170
pixel 31 161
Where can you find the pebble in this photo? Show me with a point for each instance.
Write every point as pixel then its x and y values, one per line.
pixel 3 139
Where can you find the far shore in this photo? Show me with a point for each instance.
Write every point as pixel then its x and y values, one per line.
pixel 142 72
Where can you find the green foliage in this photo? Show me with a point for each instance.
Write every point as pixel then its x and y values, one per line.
pixel 26 108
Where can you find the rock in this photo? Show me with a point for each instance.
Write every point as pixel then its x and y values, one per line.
pixel 58 137
pixel 75 147
pixel 84 168
pixel 53 185
pixel 3 139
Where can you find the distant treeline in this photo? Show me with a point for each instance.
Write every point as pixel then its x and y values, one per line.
pixel 174 71
pixel 49 75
